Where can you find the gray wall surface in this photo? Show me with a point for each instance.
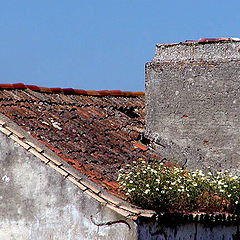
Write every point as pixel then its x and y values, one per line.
pixel 193 104
pixel 38 203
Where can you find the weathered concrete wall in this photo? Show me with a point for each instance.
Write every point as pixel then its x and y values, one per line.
pixel 38 203
pixel 164 230
pixel 192 103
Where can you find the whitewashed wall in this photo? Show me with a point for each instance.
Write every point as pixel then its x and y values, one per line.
pixel 38 203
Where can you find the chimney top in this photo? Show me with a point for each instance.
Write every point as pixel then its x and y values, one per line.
pixel 201 41
pixel 197 50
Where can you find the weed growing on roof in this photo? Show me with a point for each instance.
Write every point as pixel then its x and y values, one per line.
pixel 174 189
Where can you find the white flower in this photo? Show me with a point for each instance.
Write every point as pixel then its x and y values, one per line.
pixel 236 202
pixel 176 170
pixel 229 195
pixel 200 173
pixel 147 191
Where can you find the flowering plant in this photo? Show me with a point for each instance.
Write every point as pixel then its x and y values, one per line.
pixel 170 188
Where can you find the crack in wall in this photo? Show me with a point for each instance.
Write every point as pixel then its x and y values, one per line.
pixel 109 223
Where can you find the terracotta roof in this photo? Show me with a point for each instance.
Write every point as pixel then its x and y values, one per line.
pixel 70 91
pixel 96 132
pixel 86 138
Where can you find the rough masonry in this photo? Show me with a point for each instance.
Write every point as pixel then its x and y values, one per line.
pixel 192 102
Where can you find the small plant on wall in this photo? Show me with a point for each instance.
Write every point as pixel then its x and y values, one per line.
pixel 173 189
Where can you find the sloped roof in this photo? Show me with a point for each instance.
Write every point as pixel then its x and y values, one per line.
pixel 96 132
pixel 86 136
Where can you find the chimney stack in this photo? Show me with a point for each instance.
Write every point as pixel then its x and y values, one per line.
pixel 193 103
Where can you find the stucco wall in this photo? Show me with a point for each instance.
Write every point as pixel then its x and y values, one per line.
pixel 192 104
pixel 38 203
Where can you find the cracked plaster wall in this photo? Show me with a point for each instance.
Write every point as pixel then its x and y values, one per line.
pixel 38 203
pixel 192 104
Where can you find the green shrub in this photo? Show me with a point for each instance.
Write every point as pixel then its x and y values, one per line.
pixel 172 189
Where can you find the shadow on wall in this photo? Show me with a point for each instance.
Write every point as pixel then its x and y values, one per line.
pixel 179 227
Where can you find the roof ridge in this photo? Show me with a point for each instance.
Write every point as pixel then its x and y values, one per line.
pixel 71 91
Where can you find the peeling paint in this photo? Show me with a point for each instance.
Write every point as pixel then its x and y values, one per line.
pixel 6 179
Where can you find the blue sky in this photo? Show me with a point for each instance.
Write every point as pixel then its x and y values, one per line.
pixel 93 44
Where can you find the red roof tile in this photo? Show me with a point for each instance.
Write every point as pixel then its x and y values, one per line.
pixel 70 91
pixel 96 132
